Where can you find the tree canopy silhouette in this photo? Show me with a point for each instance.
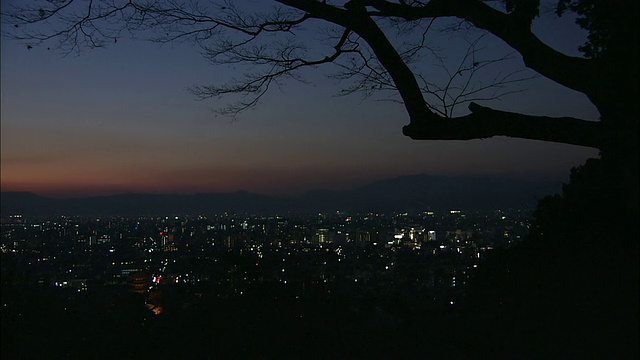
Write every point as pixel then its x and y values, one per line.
pixel 380 46
pixel 579 268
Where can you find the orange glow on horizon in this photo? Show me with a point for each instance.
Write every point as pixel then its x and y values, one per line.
pixel 272 183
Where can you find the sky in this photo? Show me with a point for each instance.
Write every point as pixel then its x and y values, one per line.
pixel 120 120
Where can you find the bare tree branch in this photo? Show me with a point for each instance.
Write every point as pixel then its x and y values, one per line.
pixel 566 70
pixel 363 51
pixel 282 60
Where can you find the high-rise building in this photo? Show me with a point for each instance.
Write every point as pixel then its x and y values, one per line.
pixel 323 235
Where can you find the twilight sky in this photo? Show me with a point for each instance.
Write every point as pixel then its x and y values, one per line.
pixel 120 119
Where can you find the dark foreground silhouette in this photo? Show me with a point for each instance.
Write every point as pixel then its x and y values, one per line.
pixel 568 291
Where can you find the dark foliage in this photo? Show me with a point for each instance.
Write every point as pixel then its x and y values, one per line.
pixel 612 26
pixel 571 289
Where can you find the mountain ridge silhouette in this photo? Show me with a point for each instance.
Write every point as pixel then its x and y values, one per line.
pixel 404 193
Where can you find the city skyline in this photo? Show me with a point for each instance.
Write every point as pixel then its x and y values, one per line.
pixel 121 119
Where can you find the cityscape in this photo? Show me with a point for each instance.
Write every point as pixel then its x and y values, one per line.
pixel 371 271
pixel 299 179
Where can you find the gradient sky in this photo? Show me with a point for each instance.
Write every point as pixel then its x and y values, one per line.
pixel 120 120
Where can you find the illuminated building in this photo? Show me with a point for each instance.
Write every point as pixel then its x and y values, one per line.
pixel 139 282
pixel 229 242
pixel 362 237
pixel 322 236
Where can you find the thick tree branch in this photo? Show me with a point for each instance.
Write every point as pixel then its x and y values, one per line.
pixel 356 19
pixel 573 72
pixel 484 122
pixel 91 25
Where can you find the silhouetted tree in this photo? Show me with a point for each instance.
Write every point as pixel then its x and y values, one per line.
pixel 580 265
pixel 380 45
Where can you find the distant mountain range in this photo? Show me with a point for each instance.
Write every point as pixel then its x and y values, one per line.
pixel 405 193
